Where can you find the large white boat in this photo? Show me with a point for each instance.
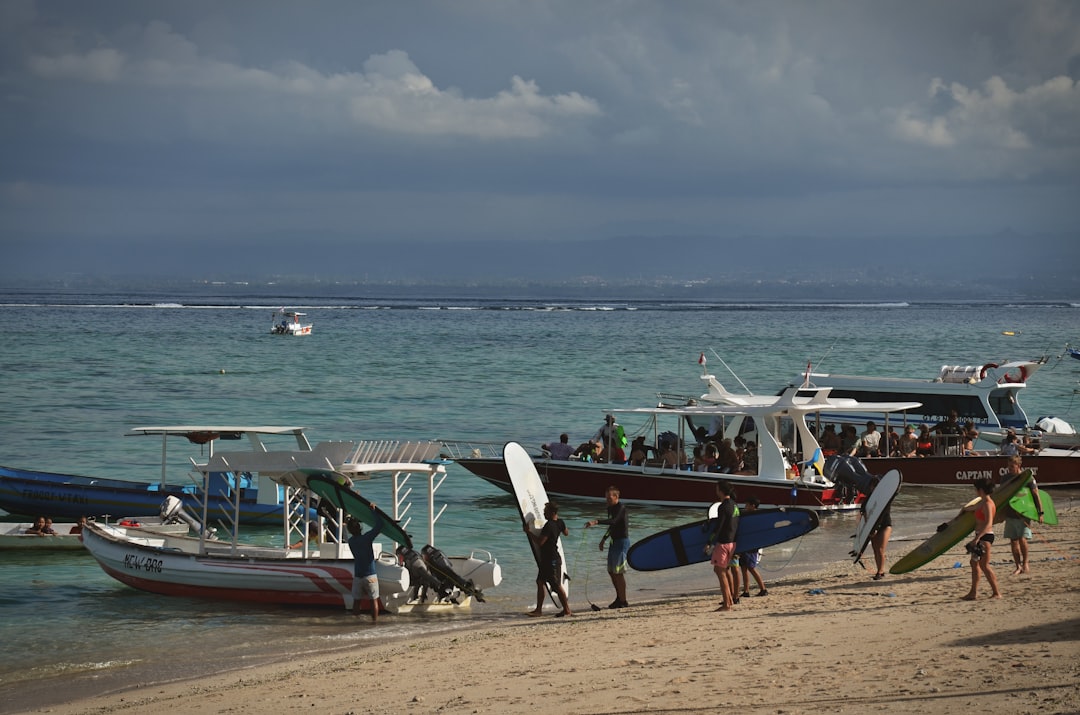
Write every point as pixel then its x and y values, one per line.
pixel 313 564
pixel 287 322
pixel 987 395
pixel 776 425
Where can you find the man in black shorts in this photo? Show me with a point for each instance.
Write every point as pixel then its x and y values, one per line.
pixel 550 572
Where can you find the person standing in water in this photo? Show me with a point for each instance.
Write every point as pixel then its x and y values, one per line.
pixel 619 532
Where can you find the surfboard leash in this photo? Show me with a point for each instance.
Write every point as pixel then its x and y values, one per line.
pixel 577 560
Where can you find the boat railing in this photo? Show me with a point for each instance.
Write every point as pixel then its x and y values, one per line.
pixel 466 449
pixel 375 452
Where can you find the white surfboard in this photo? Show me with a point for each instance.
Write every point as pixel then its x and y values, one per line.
pixel 531 496
pixel 876 504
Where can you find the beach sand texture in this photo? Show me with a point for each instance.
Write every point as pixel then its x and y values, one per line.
pixel 831 642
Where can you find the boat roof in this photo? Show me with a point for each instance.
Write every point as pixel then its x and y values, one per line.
pixel 789 402
pixel 188 429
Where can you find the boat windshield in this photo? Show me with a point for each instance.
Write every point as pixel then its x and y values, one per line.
pixel 1004 404
pixel 935 408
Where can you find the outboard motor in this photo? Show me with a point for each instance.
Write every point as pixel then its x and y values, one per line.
pixel 420 577
pixel 173 512
pixel 850 476
pixel 440 566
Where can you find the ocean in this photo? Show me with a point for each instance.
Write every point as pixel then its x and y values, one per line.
pixel 80 370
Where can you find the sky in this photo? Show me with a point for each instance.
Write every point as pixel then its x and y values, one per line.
pixel 139 135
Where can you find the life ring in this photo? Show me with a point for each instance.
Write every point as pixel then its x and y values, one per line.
pixel 128 523
pixel 1008 377
pixel 987 366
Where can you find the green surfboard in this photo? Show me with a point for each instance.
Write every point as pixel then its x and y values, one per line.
pixel 961 525
pixel 331 487
pixel 1024 504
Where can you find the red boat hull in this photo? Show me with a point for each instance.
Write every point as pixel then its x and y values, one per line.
pixel 955 470
pixel 653 486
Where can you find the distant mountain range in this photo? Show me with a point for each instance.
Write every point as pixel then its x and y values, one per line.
pixel 682 267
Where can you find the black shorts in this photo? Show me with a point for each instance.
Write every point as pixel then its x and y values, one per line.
pixel 549 573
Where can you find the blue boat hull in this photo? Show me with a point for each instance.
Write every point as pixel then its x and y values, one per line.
pixel 65 496
pixel 684 545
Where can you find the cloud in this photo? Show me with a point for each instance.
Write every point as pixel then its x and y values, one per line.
pixel 391 94
pixel 995 116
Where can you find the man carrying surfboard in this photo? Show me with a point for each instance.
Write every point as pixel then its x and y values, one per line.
pixel 619 531
pixel 550 570
pixel 1017 526
pixel 721 546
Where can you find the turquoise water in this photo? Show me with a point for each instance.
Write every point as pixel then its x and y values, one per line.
pixel 81 370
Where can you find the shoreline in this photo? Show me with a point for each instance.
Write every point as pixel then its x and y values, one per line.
pixel 831 640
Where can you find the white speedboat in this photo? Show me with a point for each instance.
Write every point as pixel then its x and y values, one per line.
pixel 315 571
pixel 287 322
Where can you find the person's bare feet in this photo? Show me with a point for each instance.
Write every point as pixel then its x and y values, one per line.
pixel 1018 570
pixel 996 595
pixel 968 597
pixel 534 614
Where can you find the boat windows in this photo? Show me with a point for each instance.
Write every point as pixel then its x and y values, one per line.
pixel 1004 404
pixel 934 407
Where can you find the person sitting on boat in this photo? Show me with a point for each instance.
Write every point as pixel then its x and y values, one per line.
pixel 969 435
pixel 77 527
pixel 909 443
pixel 924 445
pixel 559 450
pixel 639 451
pixel 830 441
pixel 849 440
pixel 870 441
pixel 890 443
pixel 587 452
pixel 750 458
pixel 38 529
pixel 365 583
pixel 728 461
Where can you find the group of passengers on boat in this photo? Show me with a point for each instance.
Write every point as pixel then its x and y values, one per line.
pixel 948 437
pixel 713 453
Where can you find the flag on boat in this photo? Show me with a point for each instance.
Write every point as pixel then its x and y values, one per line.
pixel 806 380
pixel 701 360
pixel 817 462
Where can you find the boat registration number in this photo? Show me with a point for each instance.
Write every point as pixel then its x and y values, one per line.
pixel 142 563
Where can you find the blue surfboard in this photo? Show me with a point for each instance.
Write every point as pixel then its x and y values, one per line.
pixel 684 545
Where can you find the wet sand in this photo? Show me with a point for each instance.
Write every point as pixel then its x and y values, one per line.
pixel 833 641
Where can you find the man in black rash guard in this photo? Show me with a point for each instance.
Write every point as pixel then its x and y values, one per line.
pixel 619 531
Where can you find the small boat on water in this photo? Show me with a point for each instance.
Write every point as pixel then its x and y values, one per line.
pixel 17 536
pixel 313 565
pixel 774 427
pixel 31 493
pixel 287 322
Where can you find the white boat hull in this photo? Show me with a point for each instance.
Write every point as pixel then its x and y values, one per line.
pixel 151 563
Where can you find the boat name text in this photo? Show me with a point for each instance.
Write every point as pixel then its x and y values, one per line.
pixel 142 563
pixel 54 496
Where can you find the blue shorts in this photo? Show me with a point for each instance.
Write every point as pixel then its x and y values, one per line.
pixel 750 559
pixel 616 555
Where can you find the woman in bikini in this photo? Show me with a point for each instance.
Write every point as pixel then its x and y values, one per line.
pixel 979 547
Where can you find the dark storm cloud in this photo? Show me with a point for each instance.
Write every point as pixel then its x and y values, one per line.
pixel 141 122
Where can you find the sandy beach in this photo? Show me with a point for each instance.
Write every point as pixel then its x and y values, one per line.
pixel 834 641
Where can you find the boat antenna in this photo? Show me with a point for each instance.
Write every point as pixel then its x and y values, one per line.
pixel 726 367
pixel 827 353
